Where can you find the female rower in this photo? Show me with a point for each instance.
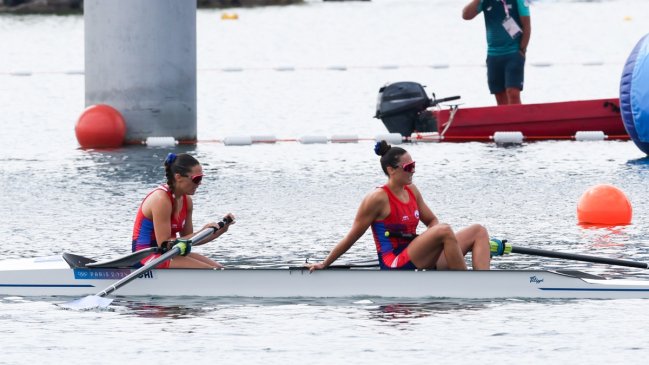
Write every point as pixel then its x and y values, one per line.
pixel 167 211
pixel 394 211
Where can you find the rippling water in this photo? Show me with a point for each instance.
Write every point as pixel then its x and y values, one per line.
pixel 295 201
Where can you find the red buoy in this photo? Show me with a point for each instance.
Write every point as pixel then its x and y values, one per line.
pixel 100 126
pixel 604 205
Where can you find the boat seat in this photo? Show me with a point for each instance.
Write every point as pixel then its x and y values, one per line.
pixel 129 260
pixel 76 261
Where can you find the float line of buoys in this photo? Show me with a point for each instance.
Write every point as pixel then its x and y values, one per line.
pixel 507 137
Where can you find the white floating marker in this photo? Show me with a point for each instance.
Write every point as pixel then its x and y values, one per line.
pixel 590 136
pixel 391 138
pixel 344 138
pixel 232 69
pixel 237 141
pixel 364 301
pixel 337 68
pixel 264 139
pixel 426 137
pixel 160 141
pixel 313 139
pixel 508 137
pixel 20 73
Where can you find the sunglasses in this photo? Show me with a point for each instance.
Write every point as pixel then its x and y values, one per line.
pixel 196 179
pixel 409 167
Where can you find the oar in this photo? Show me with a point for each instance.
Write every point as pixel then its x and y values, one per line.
pixel 504 248
pixel 99 301
pixel 499 248
pixel 408 236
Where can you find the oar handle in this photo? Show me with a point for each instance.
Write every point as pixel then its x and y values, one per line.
pixel 578 257
pixel 202 235
pixel 408 236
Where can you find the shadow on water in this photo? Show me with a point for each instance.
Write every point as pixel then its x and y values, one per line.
pixel 643 162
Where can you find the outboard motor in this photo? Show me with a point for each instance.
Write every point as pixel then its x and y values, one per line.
pixel 402 106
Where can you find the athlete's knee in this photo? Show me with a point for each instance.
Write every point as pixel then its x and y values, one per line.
pixel 444 231
pixel 479 229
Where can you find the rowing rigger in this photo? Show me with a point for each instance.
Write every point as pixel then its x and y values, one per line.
pixel 73 275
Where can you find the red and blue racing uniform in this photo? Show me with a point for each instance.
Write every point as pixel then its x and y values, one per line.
pixel 403 218
pixel 144 232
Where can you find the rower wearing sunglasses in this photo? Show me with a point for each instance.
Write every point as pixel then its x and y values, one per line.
pixel 394 211
pixel 166 213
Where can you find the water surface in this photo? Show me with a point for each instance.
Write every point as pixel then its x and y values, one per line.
pixel 294 201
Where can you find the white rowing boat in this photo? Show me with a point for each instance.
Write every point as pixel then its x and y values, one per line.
pixel 72 275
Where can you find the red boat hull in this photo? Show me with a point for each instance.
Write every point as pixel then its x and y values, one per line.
pixel 535 121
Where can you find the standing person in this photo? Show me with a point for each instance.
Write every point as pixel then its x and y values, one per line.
pixel 166 212
pixel 508 33
pixel 396 208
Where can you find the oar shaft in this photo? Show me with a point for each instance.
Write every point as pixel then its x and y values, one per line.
pixel 132 276
pixel 197 238
pixel 578 257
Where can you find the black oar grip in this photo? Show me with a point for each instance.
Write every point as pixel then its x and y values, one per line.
pixel 408 236
pixel 221 224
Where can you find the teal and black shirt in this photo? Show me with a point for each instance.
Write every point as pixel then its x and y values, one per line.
pixel 499 42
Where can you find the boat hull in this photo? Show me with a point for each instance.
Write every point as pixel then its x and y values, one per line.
pixel 53 278
pixel 561 120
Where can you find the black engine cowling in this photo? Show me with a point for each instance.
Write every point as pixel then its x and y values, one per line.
pixel 402 106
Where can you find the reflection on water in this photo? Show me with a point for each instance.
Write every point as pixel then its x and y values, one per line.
pixel 134 164
pixel 601 237
pixel 641 163
pixel 403 313
pixel 381 309
pixel 150 309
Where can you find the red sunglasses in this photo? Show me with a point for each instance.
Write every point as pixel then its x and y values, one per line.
pixel 196 179
pixel 409 167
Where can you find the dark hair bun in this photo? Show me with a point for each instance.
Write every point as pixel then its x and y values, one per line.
pixel 381 148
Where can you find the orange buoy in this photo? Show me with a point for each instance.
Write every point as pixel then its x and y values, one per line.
pixel 100 126
pixel 604 204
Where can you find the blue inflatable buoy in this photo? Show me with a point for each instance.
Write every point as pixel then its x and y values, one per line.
pixel 634 95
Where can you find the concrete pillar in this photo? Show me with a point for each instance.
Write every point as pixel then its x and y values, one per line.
pixel 141 59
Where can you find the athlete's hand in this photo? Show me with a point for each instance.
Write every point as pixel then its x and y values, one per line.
pixel 230 219
pixel 314 267
pixel 218 229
